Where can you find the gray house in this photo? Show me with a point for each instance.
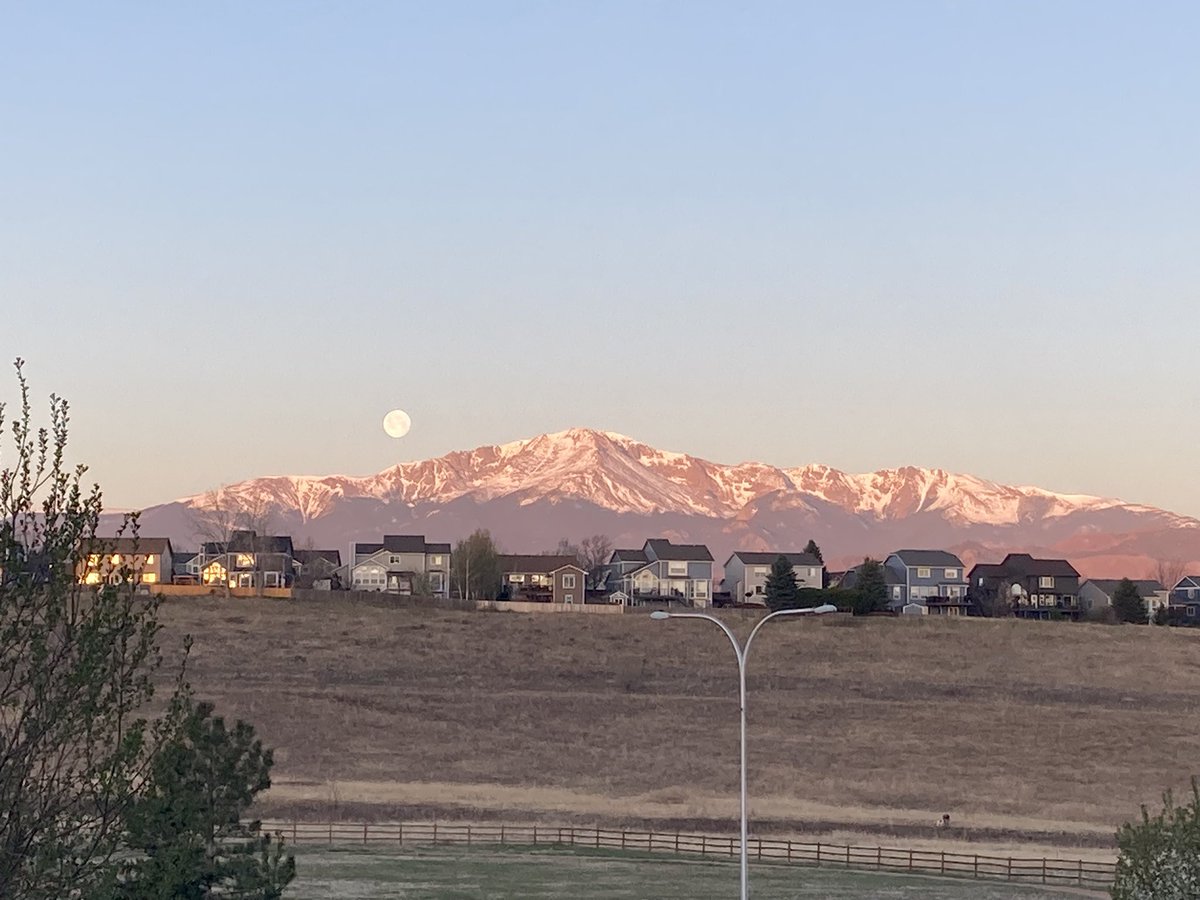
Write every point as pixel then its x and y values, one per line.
pixel 678 573
pixel 1097 593
pixel 399 563
pixel 746 573
pixel 934 579
pixel 1185 599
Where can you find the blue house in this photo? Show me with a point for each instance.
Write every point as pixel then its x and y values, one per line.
pixel 679 573
pixel 1185 599
pixel 934 579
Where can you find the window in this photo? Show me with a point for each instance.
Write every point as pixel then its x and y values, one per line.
pixel 568 598
pixel 952 573
pixel 94 578
pixel 246 579
pixel 244 560
pixel 1191 610
pixel 270 579
pixel 436 582
pixel 701 589
pixel 569 580
pixel 677 568
pixel 896 591
pixel 149 578
pixel 116 559
pixel 94 559
pixel 435 560
pixel 758 589
pixel 149 559
pixel 1046 581
pixel 923 573
pixel 394 560
pixel 516 579
pixel 761 570
pixel 813 573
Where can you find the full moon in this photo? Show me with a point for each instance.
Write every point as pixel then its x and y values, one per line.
pixel 396 423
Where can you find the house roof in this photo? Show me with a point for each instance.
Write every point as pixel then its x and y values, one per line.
pixel 912 558
pixel 249 542
pixel 628 556
pixel 129 544
pixel 1109 585
pixel 1194 579
pixel 766 558
pixel 308 557
pixel 1025 565
pixel 183 557
pixel 988 570
pixel 542 565
pixel 665 550
pixel 401 543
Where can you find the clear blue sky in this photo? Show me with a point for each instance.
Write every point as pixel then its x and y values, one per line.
pixel 959 234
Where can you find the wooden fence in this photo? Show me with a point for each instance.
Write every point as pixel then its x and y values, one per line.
pixel 1079 873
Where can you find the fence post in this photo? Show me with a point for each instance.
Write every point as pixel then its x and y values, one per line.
pixel 400 836
pixel 364 834
pixel 468 834
pixel 677 843
pixel 818 853
pixel 502 834
pixel 976 875
pixel 910 860
pixel 943 862
pixel 703 846
pixel 1008 875
pixel 789 849
pixel 847 856
pixel 1043 870
pixel 293 831
pixel 622 838
pixel 1081 872
pixel 878 858
pixel 330 834
pixel 435 834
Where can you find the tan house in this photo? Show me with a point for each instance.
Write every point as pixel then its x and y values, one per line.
pixel 403 564
pixel 143 560
pixel 542 579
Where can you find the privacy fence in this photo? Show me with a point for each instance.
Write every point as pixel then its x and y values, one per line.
pixel 1077 873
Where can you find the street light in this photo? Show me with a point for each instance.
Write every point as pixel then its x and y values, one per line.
pixel 741 650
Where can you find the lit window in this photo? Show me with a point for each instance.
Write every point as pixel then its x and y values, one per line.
pixel 116 559
pixel 149 578
pixel 1046 581
pixel 149 559
pixel 435 560
pixel 922 573
pixel 516 579
pixel 245 559
pixel 92 578
pixel 94 559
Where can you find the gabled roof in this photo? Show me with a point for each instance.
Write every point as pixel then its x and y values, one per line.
pixel 638 556
pixel 1194 579
pixel 249 542
pixel 308 557
pixel 541 565
pixel 665 550
pixel 988 570
pixel 767 557
pixel 128 544
pixel 1025 565
pixel 1109 585
pixel 940 558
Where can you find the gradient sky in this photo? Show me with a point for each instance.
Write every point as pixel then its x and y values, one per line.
pixel 949 234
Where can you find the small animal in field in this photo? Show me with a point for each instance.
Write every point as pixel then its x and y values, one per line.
pixel 943 822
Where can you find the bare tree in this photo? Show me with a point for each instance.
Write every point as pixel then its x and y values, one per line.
pixel 221 512
pixel 996 604
pixel 1170 572
pixel 594 553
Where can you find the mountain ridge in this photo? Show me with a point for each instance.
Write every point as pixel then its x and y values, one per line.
pixel 582 481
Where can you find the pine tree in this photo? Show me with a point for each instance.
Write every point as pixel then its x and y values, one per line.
pixel 871 587
pixel 782 592
pixel 186 830
pixel 812 548
pixel 1128 604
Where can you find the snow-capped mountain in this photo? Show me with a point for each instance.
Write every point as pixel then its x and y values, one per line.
pixel 577 482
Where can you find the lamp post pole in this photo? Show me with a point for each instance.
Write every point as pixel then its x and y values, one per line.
pixel 741 651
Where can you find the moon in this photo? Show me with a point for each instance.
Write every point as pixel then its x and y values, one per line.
pixel 397 423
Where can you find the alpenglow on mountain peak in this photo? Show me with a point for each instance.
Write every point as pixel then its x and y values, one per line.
pixel 619 473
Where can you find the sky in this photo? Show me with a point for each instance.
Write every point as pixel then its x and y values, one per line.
pixel 868 234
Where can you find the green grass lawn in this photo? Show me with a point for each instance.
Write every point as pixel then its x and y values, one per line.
pixel 458 874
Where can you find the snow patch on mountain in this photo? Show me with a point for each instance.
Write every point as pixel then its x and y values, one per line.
pixel 619 473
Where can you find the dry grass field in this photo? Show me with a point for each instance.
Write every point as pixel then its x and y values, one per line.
pixel 1025 732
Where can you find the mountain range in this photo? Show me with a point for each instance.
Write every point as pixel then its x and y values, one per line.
pixel 579 482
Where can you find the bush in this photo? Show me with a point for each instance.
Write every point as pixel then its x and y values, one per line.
pixel 1160 856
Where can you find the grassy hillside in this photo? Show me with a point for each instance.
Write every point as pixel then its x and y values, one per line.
pixel 1019 730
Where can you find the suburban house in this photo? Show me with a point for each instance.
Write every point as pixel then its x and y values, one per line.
pixel 318 568
pixel 933 579
pixel 746 573
pixel 143 560
pixel 1185 598
pixel 401 564
pixel 1097 593
pixel 185 567
pixel 542 579
pixel 248 560
pixel 679 573
pixel 1038 588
